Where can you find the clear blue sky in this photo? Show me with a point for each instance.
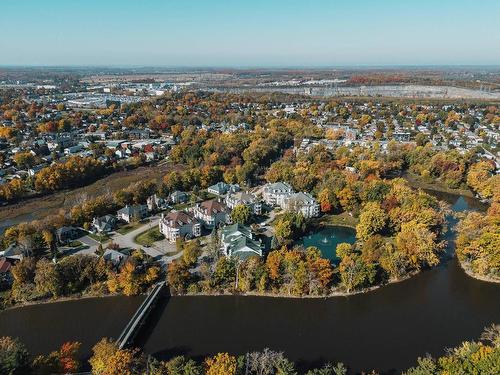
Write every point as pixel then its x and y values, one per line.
pixel 249 33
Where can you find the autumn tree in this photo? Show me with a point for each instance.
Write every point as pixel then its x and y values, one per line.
pixel 371 221
pixel 418 245
pixel 241 214
pixel 221 364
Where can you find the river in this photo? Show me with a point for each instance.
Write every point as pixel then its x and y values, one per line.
pixel 386 329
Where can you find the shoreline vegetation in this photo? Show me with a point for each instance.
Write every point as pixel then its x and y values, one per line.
pixel 466 267
pixel 479 356
pixel 418 183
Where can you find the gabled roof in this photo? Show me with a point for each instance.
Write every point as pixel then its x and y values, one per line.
pixel 177 219
pixel 5 265
pixel 212 207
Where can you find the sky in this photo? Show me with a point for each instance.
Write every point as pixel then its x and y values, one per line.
pixel 249 33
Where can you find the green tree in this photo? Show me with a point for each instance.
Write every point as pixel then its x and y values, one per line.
pixel 14 358
pixel 241 214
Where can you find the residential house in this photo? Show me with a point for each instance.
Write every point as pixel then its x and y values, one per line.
pixel 67 234
pixel 178 197
pixel 132 213
pixel 275 193
pixel 238 241
pixel 221 188
pixel 104 224
pixel 212 213
pixel 244 198
pixel 179 224
pixel 115 257
pixel 301 202
pixel 156 203
pixel 6 278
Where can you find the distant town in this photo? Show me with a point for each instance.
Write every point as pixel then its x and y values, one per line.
pixel 264 183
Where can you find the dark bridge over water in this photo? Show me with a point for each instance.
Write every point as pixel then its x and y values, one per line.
pixel 140 316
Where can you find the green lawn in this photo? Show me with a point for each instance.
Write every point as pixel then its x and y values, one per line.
pixel 124 229
pixel 343 219
pixel 149 237
pixel 99 237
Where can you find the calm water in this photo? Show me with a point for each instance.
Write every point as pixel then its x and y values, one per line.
pixel 328 238
pixel 385 330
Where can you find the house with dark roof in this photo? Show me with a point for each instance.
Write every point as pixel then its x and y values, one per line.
pixel 132 213
pixel 178 197
pixel 104 224
pixel 244 198
pixel 67 234
pixel 179 224
pixel 156 203
pixel 238 241
pixel 212 213
pixel 6 278
pixel 115 257
pixel 221 188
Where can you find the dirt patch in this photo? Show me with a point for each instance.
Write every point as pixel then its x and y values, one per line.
pixel 36 208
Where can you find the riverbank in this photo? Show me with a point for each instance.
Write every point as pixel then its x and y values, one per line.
pixel 466 268
pixel 334 294
pixel 418 183
pixel 46 301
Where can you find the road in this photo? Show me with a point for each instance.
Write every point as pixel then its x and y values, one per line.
pixel 126 241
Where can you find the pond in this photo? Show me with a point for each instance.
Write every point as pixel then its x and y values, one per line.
pixel 327 238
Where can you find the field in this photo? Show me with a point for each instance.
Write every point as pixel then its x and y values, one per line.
pixel 37 208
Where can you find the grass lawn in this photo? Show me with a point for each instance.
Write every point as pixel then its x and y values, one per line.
pixel 149 237
pixel 99 237
pixel 124 229
pixel 75 244
pixel 181 206
pixel 343 219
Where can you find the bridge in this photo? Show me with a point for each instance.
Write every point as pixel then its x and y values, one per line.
pixel 140 316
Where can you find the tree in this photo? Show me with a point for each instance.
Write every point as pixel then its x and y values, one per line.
pixel 129 280
pixel 283 230
pixel 24 160
pixel 241 214
pixel 372 220
pixel 418 245
pixel 47 278
pixel 181 365
pixel 354 272
pixel 225 271
pixel 49 239
pixel 102 352
pixel 327 200
pixel 62 361
pixel 178 276
pixel 221 364
pixel 343 249
pixel 192 252
pixel 14 358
